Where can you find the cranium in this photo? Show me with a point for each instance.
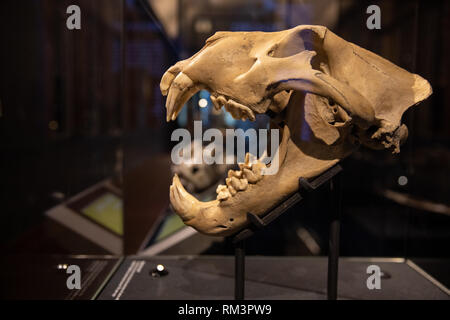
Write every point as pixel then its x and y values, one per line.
pixel 328 95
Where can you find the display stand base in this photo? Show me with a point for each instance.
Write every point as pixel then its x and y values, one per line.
pixel 330 177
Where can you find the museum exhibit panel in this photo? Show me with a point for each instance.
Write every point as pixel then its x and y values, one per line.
pixel 218 150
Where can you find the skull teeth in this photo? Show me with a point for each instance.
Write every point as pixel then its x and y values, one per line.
pixel 238 111
pixel 179 88
pixel 250 172
pixel 222 192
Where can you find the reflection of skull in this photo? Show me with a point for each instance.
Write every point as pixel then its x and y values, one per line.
pixel 198 177
pixel 329 94
pixel 195 177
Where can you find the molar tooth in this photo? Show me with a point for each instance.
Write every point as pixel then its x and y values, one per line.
pixel 250 176
pixel 233 111
pixel 247 157
pixel 257 170
pixel 239 184
pixel 231 189
pixel 221 100
pixel 232 173
pixel 215 103
pixel 244 110
pixel 223 195
pixel 220 188
pixel 235 183
pixel 244 183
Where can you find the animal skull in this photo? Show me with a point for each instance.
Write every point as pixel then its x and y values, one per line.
pixel 329 96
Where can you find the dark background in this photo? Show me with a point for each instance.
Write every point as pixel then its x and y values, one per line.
pixel 77 107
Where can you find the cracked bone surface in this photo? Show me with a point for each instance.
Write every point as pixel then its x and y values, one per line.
pixel 329 96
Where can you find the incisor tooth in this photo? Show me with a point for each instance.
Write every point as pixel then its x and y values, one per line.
pixel 243 166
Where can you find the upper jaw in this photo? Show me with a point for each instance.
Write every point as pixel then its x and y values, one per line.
pixel 179 88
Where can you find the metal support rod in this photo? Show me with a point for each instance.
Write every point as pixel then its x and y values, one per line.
pixel 239 269
pixel 330 177
pixel 333 252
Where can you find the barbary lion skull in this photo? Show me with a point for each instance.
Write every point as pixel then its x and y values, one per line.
pixel 328 95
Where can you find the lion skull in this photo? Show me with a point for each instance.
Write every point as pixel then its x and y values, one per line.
pixel 329 97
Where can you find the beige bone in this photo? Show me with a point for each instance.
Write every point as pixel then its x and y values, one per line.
pixel 328 92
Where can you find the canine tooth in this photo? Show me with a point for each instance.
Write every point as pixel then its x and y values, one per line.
pixel 263 156
pixel 182 201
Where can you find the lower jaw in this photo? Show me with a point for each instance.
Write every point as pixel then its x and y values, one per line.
pixel 228 217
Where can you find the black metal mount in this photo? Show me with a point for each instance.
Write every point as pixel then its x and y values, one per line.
pixel 330 177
